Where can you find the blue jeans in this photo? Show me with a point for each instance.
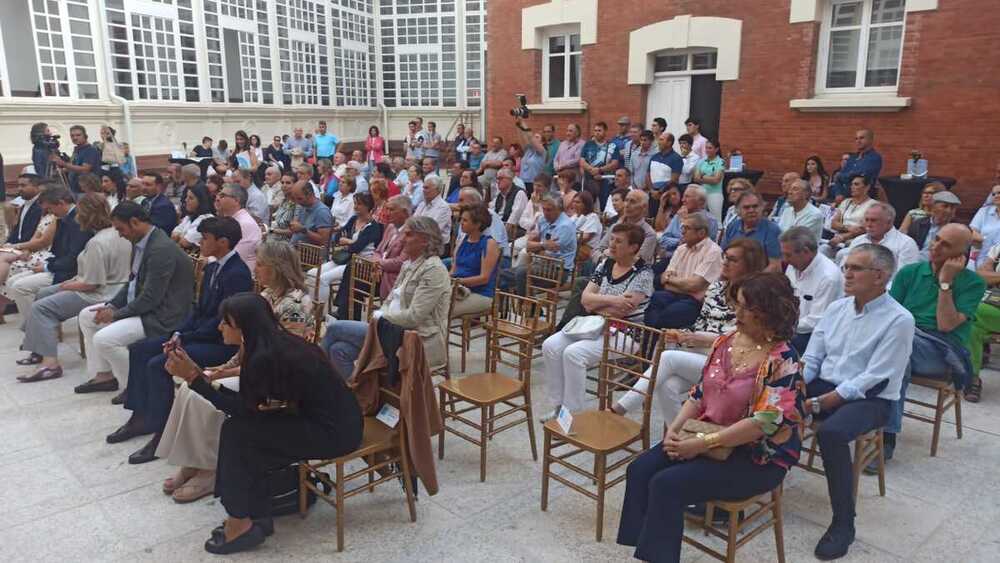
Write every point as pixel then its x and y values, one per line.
pixel 343 341
pixel 926 359
pixel 667 309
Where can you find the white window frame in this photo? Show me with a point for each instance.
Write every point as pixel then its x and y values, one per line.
pixel 688 53
pixel 566 31
pixel 823 51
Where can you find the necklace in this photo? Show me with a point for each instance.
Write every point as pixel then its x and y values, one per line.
pixel 744 356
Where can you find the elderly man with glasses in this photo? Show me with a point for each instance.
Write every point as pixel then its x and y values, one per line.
pixel 681 286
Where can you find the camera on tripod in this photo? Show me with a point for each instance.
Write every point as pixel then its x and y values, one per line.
pixel 50 142
pixel 522 110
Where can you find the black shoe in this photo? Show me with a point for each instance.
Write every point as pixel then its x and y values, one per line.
pixel 250 539
pixel 119 399
pixel 97 386
pixel 266 526
pixel 835 542
pixel 888 448
pixel 127 431
pixel 147 453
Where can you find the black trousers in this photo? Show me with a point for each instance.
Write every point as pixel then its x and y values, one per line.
pixel 838 429
pixel 250 447
pixel 657 489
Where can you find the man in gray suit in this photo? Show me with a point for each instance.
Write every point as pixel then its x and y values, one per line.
pixel 158 296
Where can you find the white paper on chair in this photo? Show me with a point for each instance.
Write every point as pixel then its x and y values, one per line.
pixel 388 415
pixel 565 420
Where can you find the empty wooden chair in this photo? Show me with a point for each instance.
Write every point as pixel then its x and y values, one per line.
pixel 312 256
pixel 766 508
pixel 947 397
pixel 486 392
pixel 362 290
pixel 384 453
pixel 602 432
pixel 867 448
pixel 545 282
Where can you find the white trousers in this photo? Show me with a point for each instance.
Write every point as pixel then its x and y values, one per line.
pixel 714 203
pixel 191 436
pixel 331 273
pixel 23 287
pixel 520 251
pixel 677 373
pixel 566 365
pixel 107 344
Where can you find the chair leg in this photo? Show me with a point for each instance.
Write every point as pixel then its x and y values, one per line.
pixel 444 420
pixel 880 444
pixel 303 493
pixel 340 507
pixel 734 531
pixel 546 452
pixel 484 413
pixel 779 525
pixel 407 483
pixel 958 414
pixel 860 445
pixel 492 411
pixel 464 344
pixel 938 415
pixel 531 426
pixel 600 462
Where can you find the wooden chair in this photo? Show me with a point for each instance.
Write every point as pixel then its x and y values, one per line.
pixel 461 326
pixel 384 452
pixel 199 272
pixel 947 396
pixel 867 448
pixel 311 256
pixel 766 507
pixel 487 391
pixel 544 283
pixel 363 289
pixel 602 432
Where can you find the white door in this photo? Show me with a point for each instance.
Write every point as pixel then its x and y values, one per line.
pixel 670 98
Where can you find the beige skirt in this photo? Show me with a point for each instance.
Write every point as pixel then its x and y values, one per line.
pixel 191 436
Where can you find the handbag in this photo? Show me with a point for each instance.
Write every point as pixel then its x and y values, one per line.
pixel 694 427
pixel 588 327
pixel 992 296
pixel 283 486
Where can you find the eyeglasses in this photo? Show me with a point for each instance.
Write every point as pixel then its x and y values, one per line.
pixel 855 269
pixel 729 258
pixel 994 194
pixel 686 228
pixel 224 194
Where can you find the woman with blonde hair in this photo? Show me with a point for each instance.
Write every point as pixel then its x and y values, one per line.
pixel 191 436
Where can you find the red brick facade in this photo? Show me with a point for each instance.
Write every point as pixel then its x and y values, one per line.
pixel 950 69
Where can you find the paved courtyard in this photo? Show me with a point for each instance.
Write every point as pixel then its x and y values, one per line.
pixel 66 495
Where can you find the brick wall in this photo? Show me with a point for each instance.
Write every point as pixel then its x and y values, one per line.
pixel 951 69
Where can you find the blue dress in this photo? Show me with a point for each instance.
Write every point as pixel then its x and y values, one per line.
pixel 469 260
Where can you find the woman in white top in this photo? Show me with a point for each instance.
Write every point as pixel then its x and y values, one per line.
pixel 849 222
pixel 529 222
pixel 360 235
pixel 102 268
pixel 588 223
pixel 198 206
pixel 342 206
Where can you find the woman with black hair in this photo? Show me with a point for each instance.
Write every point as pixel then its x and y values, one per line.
pixel 819 181
pixel 113 188
pixel 198 206
pixel 289 407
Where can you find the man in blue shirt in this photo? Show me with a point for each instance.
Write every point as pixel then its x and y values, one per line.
pixel 86 159
pixel 752 224
pixel 598 158
pixel 555 238
pixel 693 201
pixel 866 162
pixel 624 137
pixel 854 366
pixel 665 166
pixel 327 144
pixel 297 141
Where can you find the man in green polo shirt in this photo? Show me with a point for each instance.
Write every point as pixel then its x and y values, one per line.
pixel 942 295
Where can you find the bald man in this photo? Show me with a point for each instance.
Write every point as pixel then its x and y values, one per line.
pixel 942 295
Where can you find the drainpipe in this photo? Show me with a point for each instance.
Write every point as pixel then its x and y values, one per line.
pixel 385 125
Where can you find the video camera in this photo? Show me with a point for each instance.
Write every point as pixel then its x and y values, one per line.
pixel 522 110
pixel 50 142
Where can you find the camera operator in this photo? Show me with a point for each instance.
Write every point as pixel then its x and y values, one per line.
pixel 40 150
pixel 86 159
pixel 533 159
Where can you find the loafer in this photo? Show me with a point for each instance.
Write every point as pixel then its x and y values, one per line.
pixel 119 399
pixel 244 542
pixel 127 431
pixel 835 543
pixel 147 453
pixel 266 526
pixel 32 360
pixel 97 386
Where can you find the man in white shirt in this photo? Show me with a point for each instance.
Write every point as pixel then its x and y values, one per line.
pixel 511 202
pixel 799 212
pixel 435 207
pixel 272 187
pixel 691 159
pixel 879 230
pixel 256 200
pixel 815 278
pixel 698 140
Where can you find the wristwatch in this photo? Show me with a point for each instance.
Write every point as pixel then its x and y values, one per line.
pixel 816 407
pixel 944 286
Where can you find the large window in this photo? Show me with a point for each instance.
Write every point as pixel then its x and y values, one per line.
pixel 562 59
pixel 63 64
pixel 155 56
pixel 475 51
pixel 353 35
pixel 861 44
pixel 419 53
pixel 303 57
pixel 239 51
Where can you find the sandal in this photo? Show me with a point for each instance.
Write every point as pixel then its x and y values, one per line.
pixel 198 487
pixel 42 375
pixel 975 391
pixel 171 484
pixel 32 360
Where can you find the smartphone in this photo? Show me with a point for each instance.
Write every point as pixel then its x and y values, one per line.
pixel 174 342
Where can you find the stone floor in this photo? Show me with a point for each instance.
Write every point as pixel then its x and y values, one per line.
pixel 66 495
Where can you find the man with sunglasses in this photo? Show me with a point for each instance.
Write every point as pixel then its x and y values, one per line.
pixel 275 153
pixel 866 161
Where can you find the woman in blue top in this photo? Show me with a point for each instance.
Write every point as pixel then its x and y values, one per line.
pixel 710 173
pixel 475 262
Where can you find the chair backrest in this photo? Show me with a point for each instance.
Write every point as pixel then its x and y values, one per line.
pixel 311 256
pixel 516 319
pixel 626 358
pixel 315 333
pixel 545 275
pixel 366 275
pixel 199 273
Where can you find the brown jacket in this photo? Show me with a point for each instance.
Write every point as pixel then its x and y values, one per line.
pixel 418 406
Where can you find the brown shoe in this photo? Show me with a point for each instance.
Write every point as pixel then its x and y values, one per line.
pixel 198 487
pixel 171 484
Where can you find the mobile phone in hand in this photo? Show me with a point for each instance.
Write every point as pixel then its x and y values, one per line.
pixel 174 343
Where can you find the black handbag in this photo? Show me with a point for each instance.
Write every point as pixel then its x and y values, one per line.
pixel 283 485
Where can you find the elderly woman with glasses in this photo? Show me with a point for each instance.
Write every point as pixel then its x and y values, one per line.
pixel 418 301
pixel 191 436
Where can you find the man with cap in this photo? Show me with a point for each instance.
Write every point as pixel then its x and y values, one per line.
pixel 923 230
pixel 622 139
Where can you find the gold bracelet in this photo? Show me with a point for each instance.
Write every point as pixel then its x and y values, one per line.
pixel 712 440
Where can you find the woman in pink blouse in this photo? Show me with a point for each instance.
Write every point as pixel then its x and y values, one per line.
pixel 374 146
pixel 752 387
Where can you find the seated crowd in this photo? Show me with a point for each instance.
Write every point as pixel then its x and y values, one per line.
pixel 817 307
